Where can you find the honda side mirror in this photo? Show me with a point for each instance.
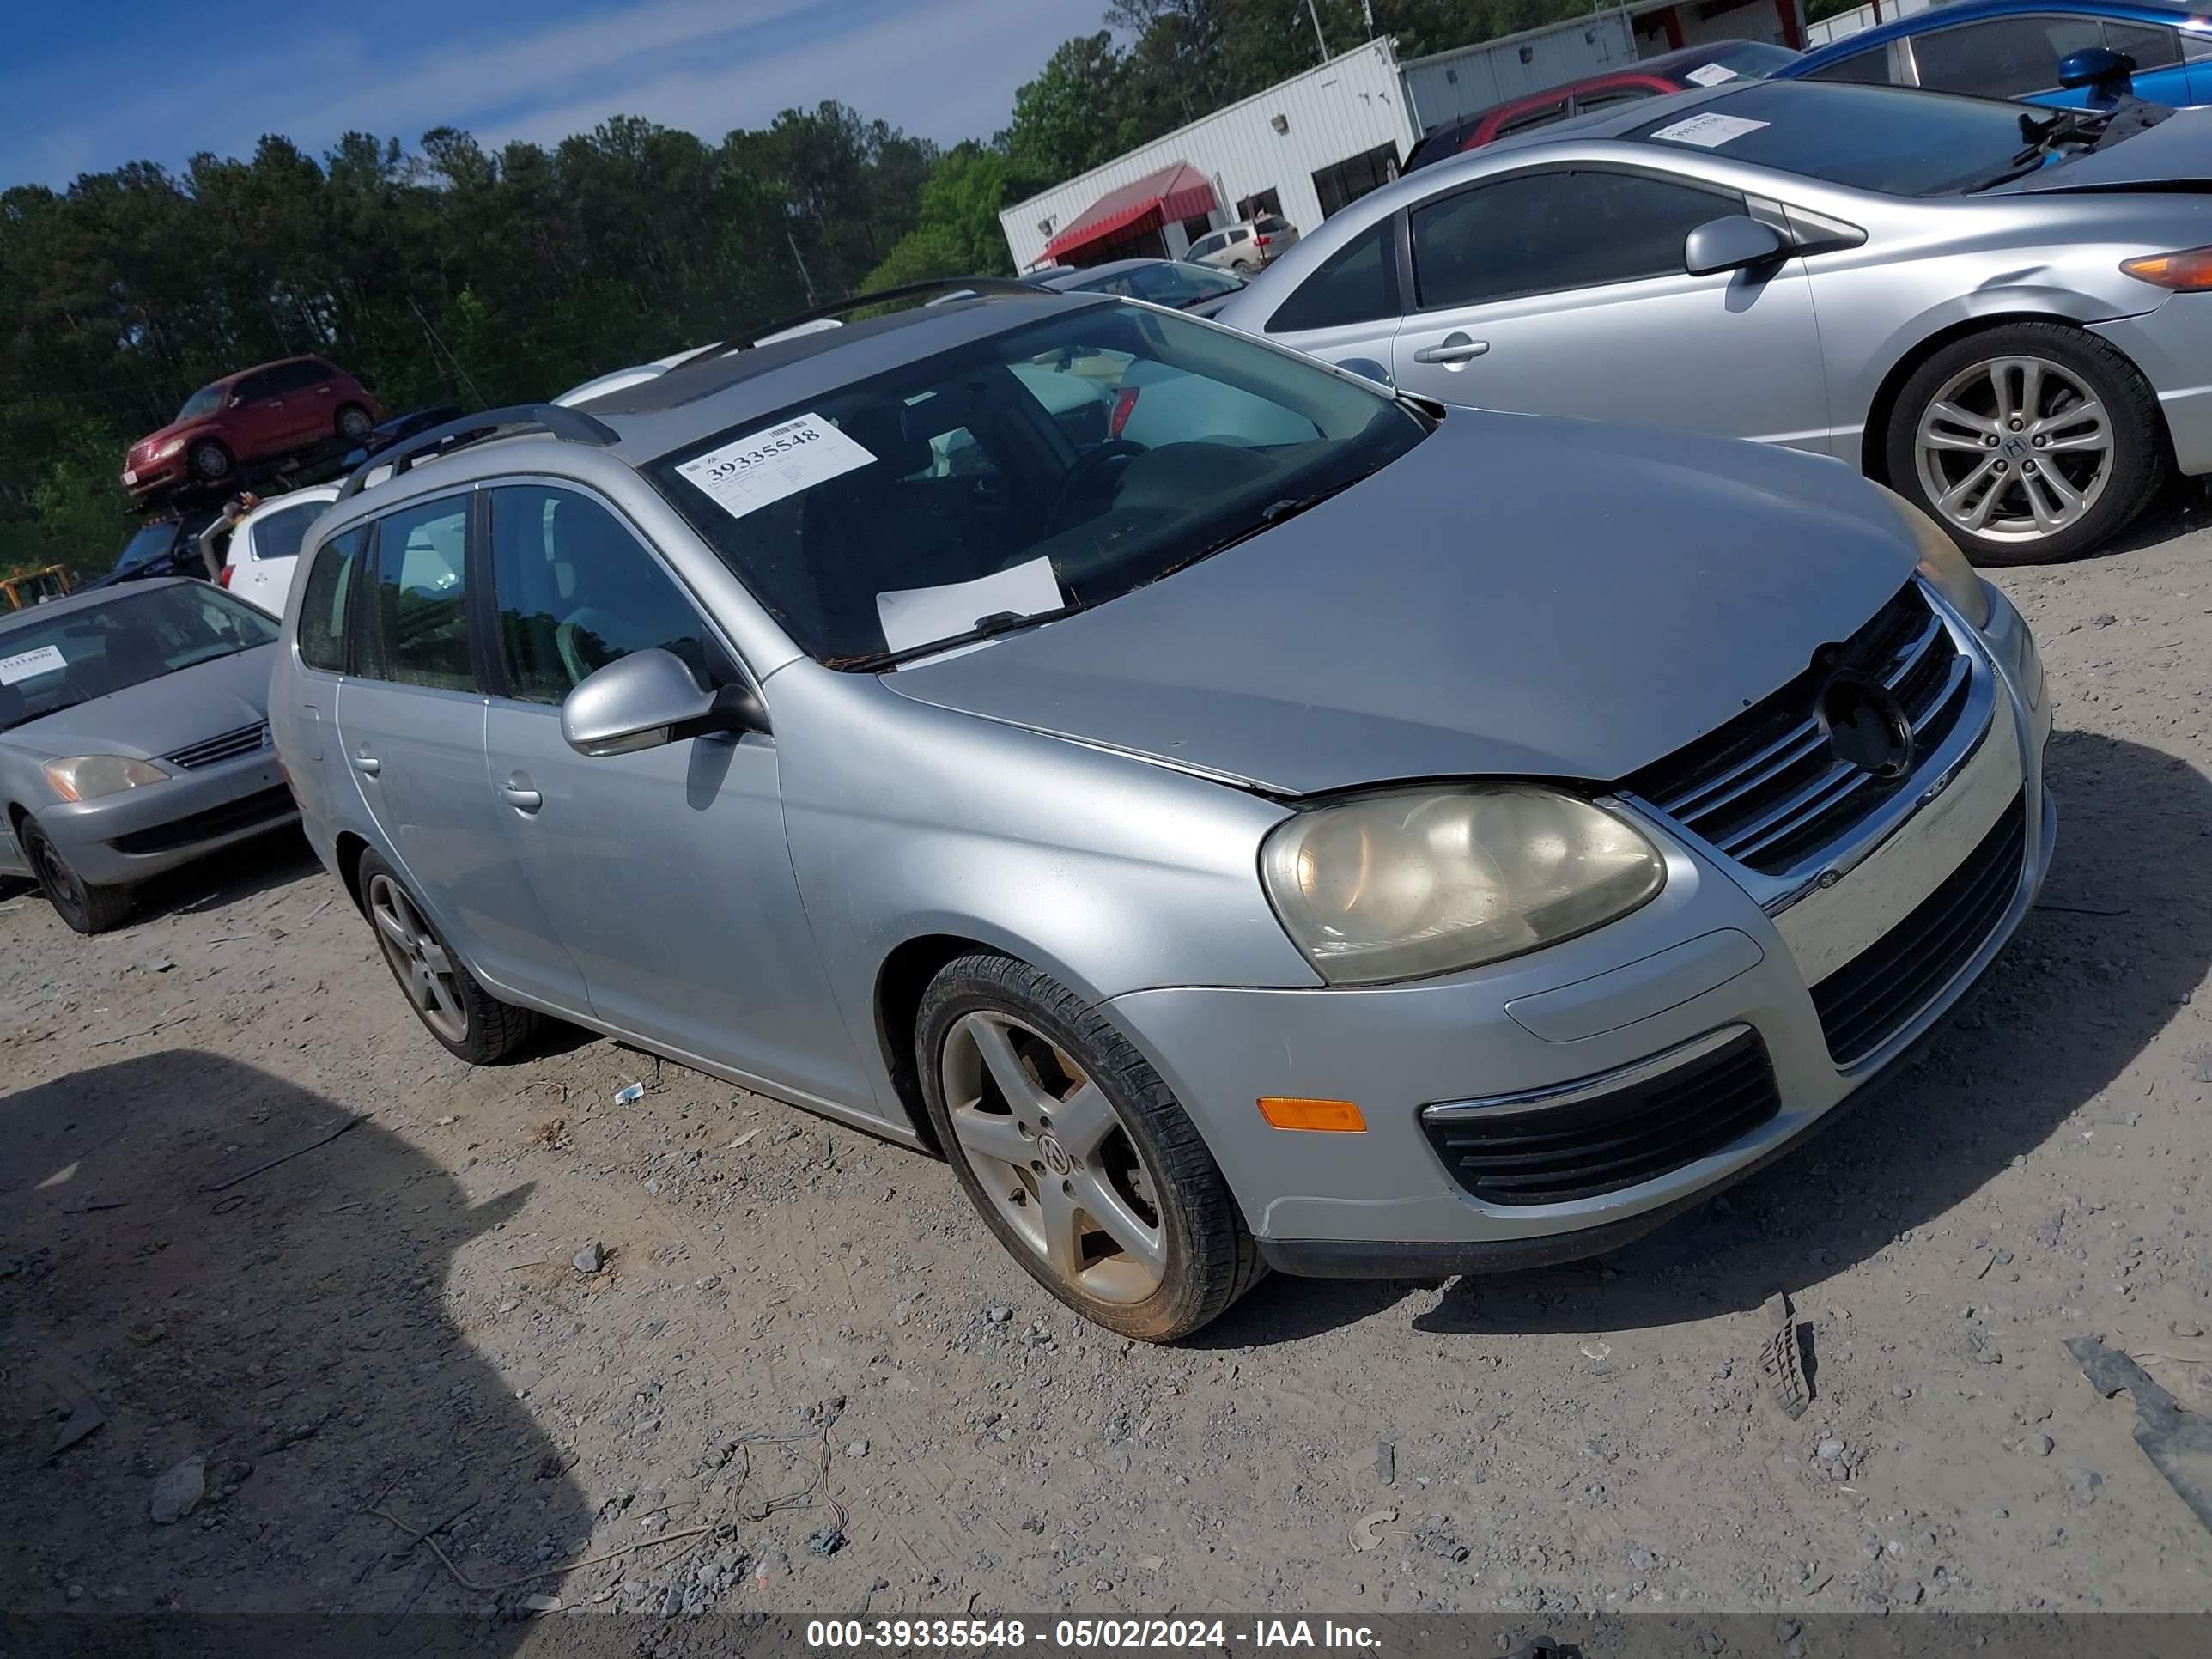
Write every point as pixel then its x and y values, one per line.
pixel 649 699
pixel 1731 244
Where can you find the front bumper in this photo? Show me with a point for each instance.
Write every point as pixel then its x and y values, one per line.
pixel 1702 957
pixel 155 475
pixel 2173 347
pixel 127 838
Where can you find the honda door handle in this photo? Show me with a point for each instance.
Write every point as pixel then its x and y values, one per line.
pixel 1452 349
pixel 523 801
pixel 368 765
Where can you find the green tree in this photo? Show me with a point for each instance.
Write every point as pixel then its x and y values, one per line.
pixel 1074 114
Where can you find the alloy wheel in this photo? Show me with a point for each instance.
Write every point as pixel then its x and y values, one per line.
pixel 1053 1155
pixel 418 959
pixel 2014 449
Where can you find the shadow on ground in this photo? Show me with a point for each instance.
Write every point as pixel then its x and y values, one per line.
pixel 2077 996
pixel 288 1327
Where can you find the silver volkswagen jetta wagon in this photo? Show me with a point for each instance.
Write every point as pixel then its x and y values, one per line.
pixel 1338 831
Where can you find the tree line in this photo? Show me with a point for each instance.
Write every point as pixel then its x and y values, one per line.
pixel 449 273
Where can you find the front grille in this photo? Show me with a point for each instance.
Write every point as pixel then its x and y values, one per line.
pixel 229 746
pixel 266 807
pixel 1880 991
pixel 1554 1154
pixel 1767 789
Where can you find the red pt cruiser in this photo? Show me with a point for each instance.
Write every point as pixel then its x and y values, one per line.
pixel 256 415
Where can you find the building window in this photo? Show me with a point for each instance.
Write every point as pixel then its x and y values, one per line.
pixel 1351 179
pixel 1252 207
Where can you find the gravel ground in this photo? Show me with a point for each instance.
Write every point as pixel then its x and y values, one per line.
pixel 396 1320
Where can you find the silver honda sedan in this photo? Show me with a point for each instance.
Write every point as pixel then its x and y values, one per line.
pixel 2004 315
pixel 1371 837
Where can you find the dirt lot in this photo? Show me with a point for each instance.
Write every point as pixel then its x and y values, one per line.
pixel 392 1319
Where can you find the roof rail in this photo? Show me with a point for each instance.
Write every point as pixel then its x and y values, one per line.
pixel 569 425
pixel 982 287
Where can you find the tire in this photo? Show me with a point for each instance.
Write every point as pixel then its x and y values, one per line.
pixel 467 1020
pixel 2008 500
pixel 209 460
pixel 84 906
pixel 1140 1160
pixel 353 423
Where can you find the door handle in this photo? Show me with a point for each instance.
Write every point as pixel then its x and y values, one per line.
pixel 368 765
pixel 1452 349
pixel 516 794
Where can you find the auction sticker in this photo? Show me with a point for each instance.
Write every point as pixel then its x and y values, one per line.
pixel 29 665
pixel 1708 131
pixel 766 466
pixel 1709 74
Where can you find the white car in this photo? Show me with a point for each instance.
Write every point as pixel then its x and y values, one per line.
pixel 1245 248
pixel 266 546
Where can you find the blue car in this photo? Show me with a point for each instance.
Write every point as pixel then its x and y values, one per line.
pixel 2012 48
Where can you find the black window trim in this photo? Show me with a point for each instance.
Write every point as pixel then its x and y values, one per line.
pixel 483 621
pixel 1910 55
pixel 1410 289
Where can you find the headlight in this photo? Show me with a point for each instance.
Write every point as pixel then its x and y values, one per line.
pixel 1946 568
pixel 168 449
pixel 88 777
pixel 1424 881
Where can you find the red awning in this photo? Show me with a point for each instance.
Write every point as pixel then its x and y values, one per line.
pixel 1179 191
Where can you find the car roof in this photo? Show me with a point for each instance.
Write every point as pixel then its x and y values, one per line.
pixel 274 362
pixel 1969 11
pixel 89 599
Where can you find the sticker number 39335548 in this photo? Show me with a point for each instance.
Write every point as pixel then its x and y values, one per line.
pixel 796 454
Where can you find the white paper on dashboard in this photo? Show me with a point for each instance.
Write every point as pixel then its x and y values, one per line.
pixel 766 466
pixel 1707 131
pixel 29 665
pixel 915 616
pixel 1709 74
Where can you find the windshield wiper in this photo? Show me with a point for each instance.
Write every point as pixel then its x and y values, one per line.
pixel 2044 139
pixel 986 628
pixel 1274 513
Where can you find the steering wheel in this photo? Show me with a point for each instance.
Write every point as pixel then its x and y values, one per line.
pixel 1085 473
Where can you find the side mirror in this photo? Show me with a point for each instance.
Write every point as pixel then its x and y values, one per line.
pixel 1731 244
pixel 1368 369
pixel 648 699
pixel 2108 74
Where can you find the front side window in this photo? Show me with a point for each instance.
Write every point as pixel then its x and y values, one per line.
pixel 2003 57
pixel 1357 283
pixel 1212 243
pixel 418 627
pixel 206 401
pixel 1538 233
pixel 279 535
pixel 577 592
pixel 1522 120
pixel 57 662
pixel 1055 465
pixel 323 606
pixel 1608 97
pixel 253 388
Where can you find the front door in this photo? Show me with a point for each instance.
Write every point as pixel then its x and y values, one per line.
pixel 665 871
pixel 411 724
pixel 1562 291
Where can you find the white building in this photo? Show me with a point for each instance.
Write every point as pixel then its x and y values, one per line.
pixel 1301 149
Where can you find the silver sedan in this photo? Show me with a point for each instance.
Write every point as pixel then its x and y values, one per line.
pixel 134 737
pixel 2001 314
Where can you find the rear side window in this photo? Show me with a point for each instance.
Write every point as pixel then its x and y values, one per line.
pixel 279 535
pixel 1536 232
pixel 1869 68
pixel 2152 45
pixel 577 591
pixel 323 606
pixel 1357 283
pixel 417 631
pixel 2004 57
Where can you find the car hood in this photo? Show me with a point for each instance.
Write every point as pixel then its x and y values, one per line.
pixel 158 716
pixel 2177 151
pixel 1518 596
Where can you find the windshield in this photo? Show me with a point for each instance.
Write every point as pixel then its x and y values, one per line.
pixel 1754 60
pixel 54 663
pixel 150 542
pixel 1167 283
pixel 205 401
pixel 1065 463
pixel 1897 140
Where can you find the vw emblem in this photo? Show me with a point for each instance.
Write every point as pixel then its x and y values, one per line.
pixel 1055 1156
pixel 1866 726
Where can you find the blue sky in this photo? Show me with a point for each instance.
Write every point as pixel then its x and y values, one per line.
pixel 86 87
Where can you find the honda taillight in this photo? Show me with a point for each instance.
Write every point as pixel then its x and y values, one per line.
pixel 1124 402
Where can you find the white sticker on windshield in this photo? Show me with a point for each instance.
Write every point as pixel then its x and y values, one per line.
pixel 29 665
pixel 1709 74
pixel 918 616
pixel 746 476
pixel 1707 131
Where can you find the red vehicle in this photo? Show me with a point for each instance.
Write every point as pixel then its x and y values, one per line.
pixel 259 414
pixel 1651 77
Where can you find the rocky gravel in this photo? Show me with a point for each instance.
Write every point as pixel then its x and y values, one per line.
pixel 697 1350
